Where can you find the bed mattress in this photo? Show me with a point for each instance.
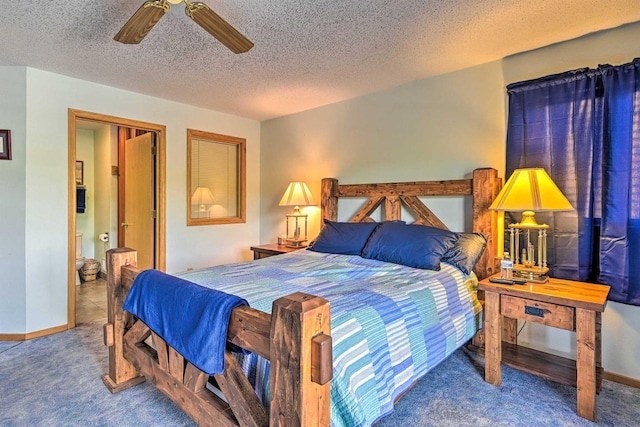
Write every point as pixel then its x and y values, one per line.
pixel 390 323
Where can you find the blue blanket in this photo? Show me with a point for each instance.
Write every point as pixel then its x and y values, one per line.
pixel 190 318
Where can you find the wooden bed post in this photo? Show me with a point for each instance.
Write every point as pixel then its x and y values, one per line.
pixel 301 361
pixel 329 197
pixel 122 374
pixel 486 186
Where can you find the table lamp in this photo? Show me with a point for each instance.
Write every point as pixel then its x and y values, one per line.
pixel 528 191
pixel 297 194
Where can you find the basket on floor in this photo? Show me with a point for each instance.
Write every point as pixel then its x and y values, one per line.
pixel 89 270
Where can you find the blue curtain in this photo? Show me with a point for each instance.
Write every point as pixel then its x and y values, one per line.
pixel 583 127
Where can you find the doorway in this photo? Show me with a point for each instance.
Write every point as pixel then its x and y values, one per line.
pixel 153 181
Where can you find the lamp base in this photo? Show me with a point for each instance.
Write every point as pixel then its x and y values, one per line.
pixel 293 243
pixel 531 274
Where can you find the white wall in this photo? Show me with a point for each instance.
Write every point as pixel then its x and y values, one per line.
pixel 39 272
pixel 106 188
pixel 620 332
pixel 440 128
pixel 85 222
pixel 13 117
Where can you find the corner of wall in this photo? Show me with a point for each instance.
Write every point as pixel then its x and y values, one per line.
pixel 13 110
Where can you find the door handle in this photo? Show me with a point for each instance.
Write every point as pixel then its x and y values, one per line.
pixel 124 224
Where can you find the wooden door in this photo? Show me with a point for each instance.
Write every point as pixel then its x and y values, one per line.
pixel 137 222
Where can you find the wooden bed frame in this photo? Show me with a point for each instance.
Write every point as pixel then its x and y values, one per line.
pixel 295 338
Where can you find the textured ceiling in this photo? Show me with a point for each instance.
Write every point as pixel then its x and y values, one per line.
pixel 307 53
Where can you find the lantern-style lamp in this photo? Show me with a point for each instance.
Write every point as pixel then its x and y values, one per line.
pixel 297 194
pixel 529 191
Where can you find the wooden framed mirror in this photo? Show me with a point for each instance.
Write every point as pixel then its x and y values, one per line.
pixel 216 177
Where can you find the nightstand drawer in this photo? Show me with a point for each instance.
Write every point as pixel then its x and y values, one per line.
pixel 558 316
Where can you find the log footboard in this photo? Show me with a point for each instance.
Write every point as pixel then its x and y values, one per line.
pixel 295 338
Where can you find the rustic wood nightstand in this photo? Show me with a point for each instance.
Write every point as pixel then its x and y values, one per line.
pixel 564 304
pixel 271 249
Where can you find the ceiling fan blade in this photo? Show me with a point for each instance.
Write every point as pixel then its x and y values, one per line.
pixel 139 25
pixel 218 27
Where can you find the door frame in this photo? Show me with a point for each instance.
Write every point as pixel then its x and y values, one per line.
pixel 160 190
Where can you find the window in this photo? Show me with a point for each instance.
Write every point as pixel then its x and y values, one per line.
pixel 583 127
pixel 216 171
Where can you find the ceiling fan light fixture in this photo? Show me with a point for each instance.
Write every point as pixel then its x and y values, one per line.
pixel 175 1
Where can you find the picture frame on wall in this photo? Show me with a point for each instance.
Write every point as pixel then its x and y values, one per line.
pixel 79 172
pixel 5 145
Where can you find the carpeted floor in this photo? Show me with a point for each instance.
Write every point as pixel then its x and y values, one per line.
pixel 55 381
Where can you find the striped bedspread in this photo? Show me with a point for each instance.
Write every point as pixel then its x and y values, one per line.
pixel 390 324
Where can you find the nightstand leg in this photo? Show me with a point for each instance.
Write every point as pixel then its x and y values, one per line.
pixel 598 352
pixel 493 339
pixel 586 363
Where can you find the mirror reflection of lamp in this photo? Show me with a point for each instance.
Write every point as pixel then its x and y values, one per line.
pixel 297 194
pixel 202 198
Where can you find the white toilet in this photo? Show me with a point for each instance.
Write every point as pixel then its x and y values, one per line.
pixel 79 258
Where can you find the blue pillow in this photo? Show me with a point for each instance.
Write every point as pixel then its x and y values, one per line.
pixel 417 246
pixel 466 252
pixel 346 238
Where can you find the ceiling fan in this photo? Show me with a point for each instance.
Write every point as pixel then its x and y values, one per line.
pixel 148 15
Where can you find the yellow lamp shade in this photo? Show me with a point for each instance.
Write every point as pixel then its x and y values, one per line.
pixel 530 190
pixel 297 194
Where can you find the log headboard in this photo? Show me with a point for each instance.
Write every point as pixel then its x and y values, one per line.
pixel 484 187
